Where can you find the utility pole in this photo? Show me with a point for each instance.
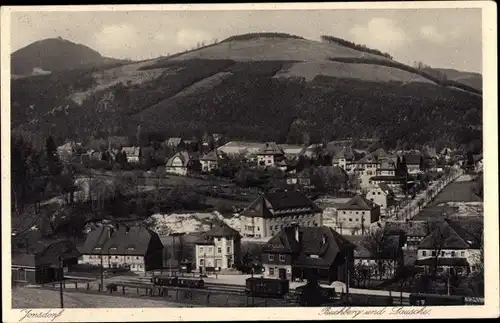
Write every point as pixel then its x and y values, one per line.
pixel 61 270
pixel 102 273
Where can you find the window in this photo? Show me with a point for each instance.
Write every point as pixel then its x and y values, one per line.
pixel 357 220
pixel 209 249
pixel 462 253
pixel 442 253
pixel 282 258
pixel 453 253
pixel 271 228
pixel 350 219
pixel 434 254
pixel 276 227
pixel 137 258
pixel 343 212
pixel 228 249
pixel 271 271
pixel 271 257
pixel 202 262
pixel 201 249
pixel 258 228
pixel 218 238
pixel 378 193
pixel 219 250
pixel 424 253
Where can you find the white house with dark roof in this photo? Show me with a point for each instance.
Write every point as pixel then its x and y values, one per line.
pixel 137 248
pixel 356 216
pixel 219 248
pixel 241 148
pixel 382 195
pixel 451 248
pixel 270 155
pixel 209 161
pixel 179 163
pixel 271 212
pixel 344 159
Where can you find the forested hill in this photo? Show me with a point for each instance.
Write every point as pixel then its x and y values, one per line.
pixel 253 87
pixel 56 54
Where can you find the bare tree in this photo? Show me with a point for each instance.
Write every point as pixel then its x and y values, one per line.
pixel 381 247
pixel 437 239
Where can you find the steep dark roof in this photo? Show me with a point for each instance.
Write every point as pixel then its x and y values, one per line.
pixel 344 153
pixel 183 155
pixel 471 231
pixel 23 259
pixel 221 230
pixel 413 159
pixel 123 241
pixel 358 203
pixel 444 237
pixel 95 238
pixel 385 188
pixel 271 148
pixel 212 156
pixel 317 247
pixel 281 203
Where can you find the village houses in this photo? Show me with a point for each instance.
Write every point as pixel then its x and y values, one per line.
pixel 456 249
pixel 133 154
pixel 381 195
pixel 344 159
pixel 297 252
pixel 210 161
pixel 136 248
pixel 179 164
pixel 414 163
pixel 219 248
pixel 355 216
pixel 273 211
pixel 271 155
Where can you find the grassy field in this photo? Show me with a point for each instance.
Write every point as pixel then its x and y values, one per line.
pixel 43 298
pixel 459 191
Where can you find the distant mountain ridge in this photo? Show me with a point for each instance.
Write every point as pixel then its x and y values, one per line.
pixel 254 87
pixel 57 54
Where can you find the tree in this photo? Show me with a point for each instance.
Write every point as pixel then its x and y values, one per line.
pixel 381 247
pixel 438 239
pixel 53 162
pixel 361 273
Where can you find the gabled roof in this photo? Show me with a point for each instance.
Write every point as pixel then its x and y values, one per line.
pixel 413 159
pixel 444 237
pixel 271 148
pixel 291 150
pixel 221 230
pixel 129 241
pixel 470 230
pixel 384 187
pixel 375 156
pixel 184 157
pixel 358 203
pixel 210 156
pixel 241 147
pixel 316 247
pixel 281 203
pixel 95 238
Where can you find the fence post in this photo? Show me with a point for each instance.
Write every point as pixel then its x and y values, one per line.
pixel 76 285
pixel 208 298
pixel 137 290
pixel 123 289
pixel 88 286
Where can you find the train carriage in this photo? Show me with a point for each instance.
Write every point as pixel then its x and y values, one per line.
pixel 267 287
pixel 178 281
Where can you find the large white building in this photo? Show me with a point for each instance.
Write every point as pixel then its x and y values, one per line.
pixel 271 155
pixel 356 216
pixel 218 248
pixel 271 212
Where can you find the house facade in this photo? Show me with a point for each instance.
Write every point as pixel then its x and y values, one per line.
pixel 414 163
pixel 413 231
pixel 307 252
pixel 132 153
pixel 136 248
pixel 271 155
pixel 218 248
pixel 452 248
pixel 381 195
pixel 179 164
pixel 344 159
pixel 273 211
pixel 355 216
pixel 209 161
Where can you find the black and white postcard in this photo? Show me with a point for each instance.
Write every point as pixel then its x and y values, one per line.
pixel 215 162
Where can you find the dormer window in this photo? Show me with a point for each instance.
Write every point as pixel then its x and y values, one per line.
pixel 130 248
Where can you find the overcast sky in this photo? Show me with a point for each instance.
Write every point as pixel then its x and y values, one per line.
pixel 448 38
